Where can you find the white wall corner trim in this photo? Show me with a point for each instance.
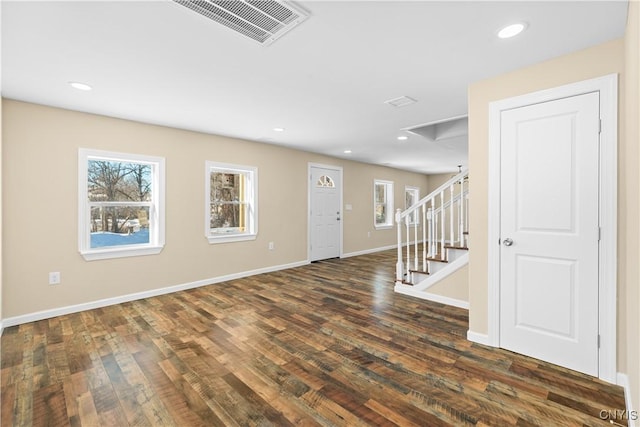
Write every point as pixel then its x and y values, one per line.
pixel 46 314
pixel 632 413
pixel 478 338
pixel 607 86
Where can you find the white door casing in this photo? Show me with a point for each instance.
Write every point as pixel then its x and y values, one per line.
pixel 325 213
pixel 606 88
pixel 549 231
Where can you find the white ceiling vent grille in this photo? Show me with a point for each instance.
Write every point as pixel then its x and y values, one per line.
pixel 402 101
pixel 262 20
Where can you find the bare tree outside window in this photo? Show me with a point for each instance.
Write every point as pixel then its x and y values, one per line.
pixel 115 190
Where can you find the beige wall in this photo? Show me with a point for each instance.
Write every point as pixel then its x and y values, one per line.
pixel 597 61
pixel 630 154
pixel 455 286
pixel 40 207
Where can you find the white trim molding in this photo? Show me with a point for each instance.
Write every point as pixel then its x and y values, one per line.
pixel 156 206
pixel 428 296
pixel 46 314
pixel 632 414
pixel 369 251
pixel 607 86
pixel 479 338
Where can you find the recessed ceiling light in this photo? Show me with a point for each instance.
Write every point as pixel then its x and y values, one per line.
pixel 347 151
pixel 80 86
pixel 511 30
pixel 403 138
pixel 278 129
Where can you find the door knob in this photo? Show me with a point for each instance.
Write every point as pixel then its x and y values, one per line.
pixel 507 242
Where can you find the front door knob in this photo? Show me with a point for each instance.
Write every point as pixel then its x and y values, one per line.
pixel 507 242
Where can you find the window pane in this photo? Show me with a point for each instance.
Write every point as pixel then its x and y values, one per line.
pixel 110 181
pixel 228 216
pixel 381 213
pixel 325 181
pixel 119 225
pixel 227 187
pixel 380 193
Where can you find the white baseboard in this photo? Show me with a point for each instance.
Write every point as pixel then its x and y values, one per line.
pixel 478 338
pixel 1 327
pixel 633 414
pixel 369 251
pixel 46 314
pixel 411 291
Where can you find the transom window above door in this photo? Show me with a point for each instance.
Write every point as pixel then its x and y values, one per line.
pixel 325 181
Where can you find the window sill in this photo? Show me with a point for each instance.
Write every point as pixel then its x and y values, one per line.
pixel 230 238
pixel 384 227
pixel 94 255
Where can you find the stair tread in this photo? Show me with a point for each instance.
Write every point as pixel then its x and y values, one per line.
pixel 457 247
pixel 437 260
pixel 418 271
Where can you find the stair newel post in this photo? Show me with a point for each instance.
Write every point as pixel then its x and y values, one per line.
pixel 424 237
pixel 399 266
pixel 442 213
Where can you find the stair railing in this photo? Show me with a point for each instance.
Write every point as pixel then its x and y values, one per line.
pixel 445 219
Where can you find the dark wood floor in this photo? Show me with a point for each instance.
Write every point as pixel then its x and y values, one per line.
pixel 325 344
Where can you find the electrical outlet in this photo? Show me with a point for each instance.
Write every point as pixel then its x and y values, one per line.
pixel 54 278
pixel 272 246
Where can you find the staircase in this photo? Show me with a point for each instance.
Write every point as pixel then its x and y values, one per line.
pixel 433 237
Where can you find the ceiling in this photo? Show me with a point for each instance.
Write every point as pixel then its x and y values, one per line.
pixel 324 82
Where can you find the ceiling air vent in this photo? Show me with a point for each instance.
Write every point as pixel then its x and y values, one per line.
pixel 402 101
pixel 262 20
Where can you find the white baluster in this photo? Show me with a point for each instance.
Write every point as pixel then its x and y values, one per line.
pixel 461 214
pixel 414 215
pixel 399 266
pixel 406 221
pixel 424 237
pixel 430 224
pixel 442 213
pixel 451 199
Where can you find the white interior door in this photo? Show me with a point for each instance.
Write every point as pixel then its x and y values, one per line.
pixel 549 231
pixel 325 188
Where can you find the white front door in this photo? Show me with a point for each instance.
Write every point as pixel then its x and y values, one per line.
pixel 549 231
pixel 325 189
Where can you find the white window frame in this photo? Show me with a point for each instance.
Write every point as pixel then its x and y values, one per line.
pixel 388 185
pixel 156 206
pixel 252 197
pixel 414 218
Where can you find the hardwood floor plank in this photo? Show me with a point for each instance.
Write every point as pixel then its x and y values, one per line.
pixel 327 344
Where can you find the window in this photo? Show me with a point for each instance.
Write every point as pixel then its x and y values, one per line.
pixel 231 202
pixel 120 204
pixel 325 181
pixel 411 197
pixel 383 203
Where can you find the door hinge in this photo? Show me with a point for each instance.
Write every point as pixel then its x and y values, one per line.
pixel 599 233
pixel 598 340
pixel 600 126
